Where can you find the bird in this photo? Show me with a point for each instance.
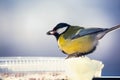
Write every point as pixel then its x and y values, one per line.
pixel 76 41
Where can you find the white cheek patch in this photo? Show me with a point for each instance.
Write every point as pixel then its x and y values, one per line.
pixel 61 30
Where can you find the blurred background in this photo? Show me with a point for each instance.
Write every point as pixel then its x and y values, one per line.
pixel 24 23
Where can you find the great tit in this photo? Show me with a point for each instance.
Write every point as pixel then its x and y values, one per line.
pixel 77 41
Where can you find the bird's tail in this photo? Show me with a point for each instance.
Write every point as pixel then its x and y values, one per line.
pixel 113 28
pixel 102 34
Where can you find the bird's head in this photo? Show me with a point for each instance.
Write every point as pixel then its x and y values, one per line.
pixel 58 29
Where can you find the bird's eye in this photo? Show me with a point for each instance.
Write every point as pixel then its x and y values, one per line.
pixel 61 30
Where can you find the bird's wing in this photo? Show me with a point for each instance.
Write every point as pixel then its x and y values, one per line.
pixel 88 31
pixel 72 31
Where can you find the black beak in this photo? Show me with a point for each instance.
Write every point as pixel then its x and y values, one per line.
pixel 51 32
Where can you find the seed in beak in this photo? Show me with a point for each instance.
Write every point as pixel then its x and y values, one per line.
pixel 50 32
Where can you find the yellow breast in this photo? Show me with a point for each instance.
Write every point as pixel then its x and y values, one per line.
pixel 82 45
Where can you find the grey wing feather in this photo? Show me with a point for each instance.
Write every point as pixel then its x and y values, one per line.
pixel 88 31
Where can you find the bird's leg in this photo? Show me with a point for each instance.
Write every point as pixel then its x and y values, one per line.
pixel 83 56
pixel 69 56
pixel 74 55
